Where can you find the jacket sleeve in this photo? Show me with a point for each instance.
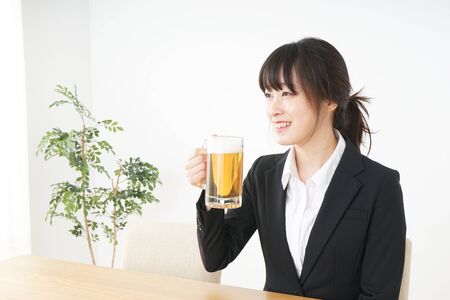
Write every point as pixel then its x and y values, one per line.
pixel 382 266
pixel 221 237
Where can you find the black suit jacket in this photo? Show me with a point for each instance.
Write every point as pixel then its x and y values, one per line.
pixel 356 246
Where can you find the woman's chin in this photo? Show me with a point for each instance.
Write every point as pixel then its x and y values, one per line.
pixel 283 141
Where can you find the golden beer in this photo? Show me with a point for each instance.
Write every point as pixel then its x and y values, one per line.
pixel 224 172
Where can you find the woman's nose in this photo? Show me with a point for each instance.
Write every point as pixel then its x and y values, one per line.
pixel 274 107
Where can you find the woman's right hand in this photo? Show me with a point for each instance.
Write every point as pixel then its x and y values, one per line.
pixel 196 168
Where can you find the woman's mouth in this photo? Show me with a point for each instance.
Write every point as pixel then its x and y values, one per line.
pixel 281 126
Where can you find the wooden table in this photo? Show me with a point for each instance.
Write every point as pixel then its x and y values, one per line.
pixel 33 277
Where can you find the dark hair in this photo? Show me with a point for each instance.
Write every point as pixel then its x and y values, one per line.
pixel 322 74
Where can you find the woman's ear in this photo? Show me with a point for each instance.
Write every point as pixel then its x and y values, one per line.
pixel 330 105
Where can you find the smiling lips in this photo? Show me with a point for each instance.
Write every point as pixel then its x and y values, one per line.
pixel 282 124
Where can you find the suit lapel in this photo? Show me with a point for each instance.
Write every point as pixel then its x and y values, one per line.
pixel 341 191
pixel 275 215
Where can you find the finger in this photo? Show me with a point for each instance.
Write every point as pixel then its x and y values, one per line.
pixel 198 179
pixel 196 169
pixel 195 161
pixel 196 152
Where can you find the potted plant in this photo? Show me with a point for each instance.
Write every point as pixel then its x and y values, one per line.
pixel 94 210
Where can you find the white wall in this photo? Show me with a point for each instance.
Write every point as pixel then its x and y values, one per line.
pixel 15 237
pixel 173 72
pixel 56 40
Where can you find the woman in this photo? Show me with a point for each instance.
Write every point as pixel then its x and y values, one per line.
pixel 330 220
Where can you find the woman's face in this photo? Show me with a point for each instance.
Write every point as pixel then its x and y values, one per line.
pixel 292 116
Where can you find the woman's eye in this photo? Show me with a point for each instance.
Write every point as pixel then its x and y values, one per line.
pixel 267 95
pixel 286 94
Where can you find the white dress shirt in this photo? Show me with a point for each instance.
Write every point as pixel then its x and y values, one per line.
pixel 303 201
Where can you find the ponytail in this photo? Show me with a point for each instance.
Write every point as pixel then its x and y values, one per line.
pixel 350 120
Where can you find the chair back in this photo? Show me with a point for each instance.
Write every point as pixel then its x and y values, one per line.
pixel 165 248
pixel 404 289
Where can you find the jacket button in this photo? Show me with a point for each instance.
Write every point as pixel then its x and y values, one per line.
pixel 199 224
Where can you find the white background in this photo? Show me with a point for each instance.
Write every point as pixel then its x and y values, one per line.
pixel 14 200
pixel 172 72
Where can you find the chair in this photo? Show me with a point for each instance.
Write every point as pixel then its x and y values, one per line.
pixel 404 289
pixel 165 248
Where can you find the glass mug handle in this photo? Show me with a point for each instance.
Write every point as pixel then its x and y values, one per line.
pixel 204 147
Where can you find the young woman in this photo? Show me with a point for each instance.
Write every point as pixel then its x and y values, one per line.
pixel 330 220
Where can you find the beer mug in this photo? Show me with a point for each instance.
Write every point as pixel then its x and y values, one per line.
pixel 224 171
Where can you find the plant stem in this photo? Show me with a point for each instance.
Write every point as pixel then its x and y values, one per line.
pixel 115 190
pixel 114 237
pixel 86 225
pixel 88 237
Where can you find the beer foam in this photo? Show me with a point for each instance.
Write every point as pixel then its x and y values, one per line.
pixel 224 145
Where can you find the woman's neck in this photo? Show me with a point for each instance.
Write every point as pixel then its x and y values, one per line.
pixel 314 153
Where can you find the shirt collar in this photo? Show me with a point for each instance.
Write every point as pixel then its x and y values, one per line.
pixel 323 176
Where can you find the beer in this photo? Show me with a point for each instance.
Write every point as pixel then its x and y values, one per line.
pixel 224 172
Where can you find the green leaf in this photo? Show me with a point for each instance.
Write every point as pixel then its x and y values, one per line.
pixel 58 103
